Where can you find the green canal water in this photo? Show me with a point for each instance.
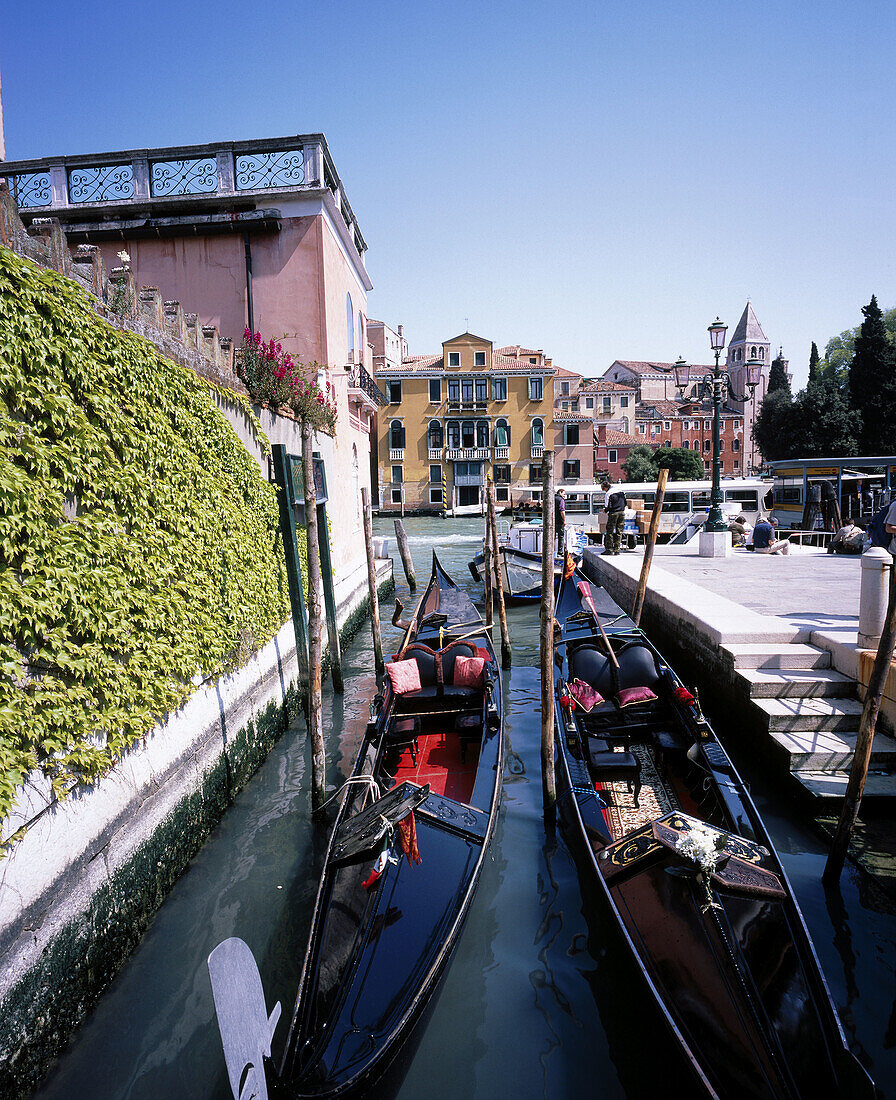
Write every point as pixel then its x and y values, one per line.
pixel 535 1004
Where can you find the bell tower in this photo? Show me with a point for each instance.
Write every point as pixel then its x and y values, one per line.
pixel 748 342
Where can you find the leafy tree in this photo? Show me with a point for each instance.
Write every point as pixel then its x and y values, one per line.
pixel 683 464
pixel 639 465
pixel 872 382
pixel 821 423
pixel 771 429
pixel 840 349
pixel 777 376
pixel 813 362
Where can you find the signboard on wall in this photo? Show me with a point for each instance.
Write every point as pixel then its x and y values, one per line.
pixel 298 479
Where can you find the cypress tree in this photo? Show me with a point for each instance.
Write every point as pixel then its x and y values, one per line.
pixel 813 362
pixel 777 375
pixel 872 383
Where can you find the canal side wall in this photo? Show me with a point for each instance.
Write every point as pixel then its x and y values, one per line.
pixel 81 886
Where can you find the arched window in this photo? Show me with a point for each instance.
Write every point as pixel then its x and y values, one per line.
pixel 396 435
pixel 361 341
pixel 435 435
pixel 454 434
pixel 502 433
pixel 762 353
pixel 467 434
pixel 753 352
pixel 481 433
pixel 350 319
pixel 687 444
pixel 538 432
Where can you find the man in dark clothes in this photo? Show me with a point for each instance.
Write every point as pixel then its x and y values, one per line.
pixel 614 506
pixel 560 519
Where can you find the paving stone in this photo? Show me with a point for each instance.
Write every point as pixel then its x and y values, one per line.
pixel 778 655
pixel 797 683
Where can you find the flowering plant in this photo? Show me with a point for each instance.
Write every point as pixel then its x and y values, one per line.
pixel 273 377
pixel 704 846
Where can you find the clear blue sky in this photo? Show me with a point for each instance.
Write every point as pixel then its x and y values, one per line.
pixel 598 180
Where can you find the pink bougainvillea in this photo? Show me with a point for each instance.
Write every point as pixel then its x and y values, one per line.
pixel 274 378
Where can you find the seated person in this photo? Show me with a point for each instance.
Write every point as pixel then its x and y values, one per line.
pixel 850 539
pixel 764 540
pixel 740 528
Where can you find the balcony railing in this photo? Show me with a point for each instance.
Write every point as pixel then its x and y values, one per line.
pixel 361 381
pixel 435 454
pixel 396 454
pixel 537 451
pixel 468 454
pixel 502 454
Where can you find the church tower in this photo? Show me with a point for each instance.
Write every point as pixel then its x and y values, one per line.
pixel 748 342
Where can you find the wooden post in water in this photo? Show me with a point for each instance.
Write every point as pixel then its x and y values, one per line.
pixel 499 579
pixel 488 564
pixel 326 569
pixel 548 785
pixel 651 542
pixel 407 564
pixel 379 666
pixel 286 497
pixel 315 627
pixel 859 771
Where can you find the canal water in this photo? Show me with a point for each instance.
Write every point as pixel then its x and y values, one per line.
pixel 533 1005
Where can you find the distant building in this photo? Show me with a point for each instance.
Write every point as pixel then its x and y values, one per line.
pixel 688 424
pixel 611 449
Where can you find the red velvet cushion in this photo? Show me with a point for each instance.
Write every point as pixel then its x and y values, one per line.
pixel 468 671
pixel 627 696
pixel 405 676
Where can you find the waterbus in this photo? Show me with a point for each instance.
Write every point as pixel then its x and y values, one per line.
pixel 861 486
pixel 685 503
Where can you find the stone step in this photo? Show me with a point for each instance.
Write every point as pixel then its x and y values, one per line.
pixel 777 655
pixel 831 750
pixel 766 683
pixel 832 785
pixel 809 715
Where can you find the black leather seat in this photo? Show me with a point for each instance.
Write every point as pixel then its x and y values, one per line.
pixel 608 766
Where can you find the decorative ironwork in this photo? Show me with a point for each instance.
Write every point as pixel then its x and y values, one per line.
pixel 184 177
pixel 103 183
pixel 361 380
pixel 257 171
pixel 32 189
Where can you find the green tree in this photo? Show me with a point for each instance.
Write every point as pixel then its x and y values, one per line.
pixel 639 465
pixel 770 429
pixel 777 375
pixel 840 349
pixel 820 423
pixel 872 382
pixel 813 362
pixel 682 463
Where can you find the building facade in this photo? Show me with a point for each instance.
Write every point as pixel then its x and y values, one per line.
pixel 454 420
pixel 689 425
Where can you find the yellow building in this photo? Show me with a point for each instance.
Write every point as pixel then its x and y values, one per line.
pixel 456 418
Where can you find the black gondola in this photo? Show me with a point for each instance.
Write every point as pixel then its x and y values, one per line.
pixel 668 841
pixel 404 859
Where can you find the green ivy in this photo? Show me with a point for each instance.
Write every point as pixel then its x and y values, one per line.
pixel 139 543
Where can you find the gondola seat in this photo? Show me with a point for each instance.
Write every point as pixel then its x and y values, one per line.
pixel 402 734
pixel 437 689
pixel 637 668
pixel 608 766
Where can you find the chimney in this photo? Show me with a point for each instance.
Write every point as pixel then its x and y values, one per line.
pixel 401 330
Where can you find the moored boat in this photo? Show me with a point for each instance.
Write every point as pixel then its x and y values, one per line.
pixel 671 848
pixel 521 560
pixel 404 859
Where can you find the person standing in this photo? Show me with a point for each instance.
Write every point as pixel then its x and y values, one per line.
pixel 560 519
pixel 614 506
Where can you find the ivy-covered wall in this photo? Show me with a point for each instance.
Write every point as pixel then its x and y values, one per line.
pixel 139 544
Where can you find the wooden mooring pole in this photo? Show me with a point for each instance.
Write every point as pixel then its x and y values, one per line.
pixel 859 771
pixel 488 564
pixel 315 627
pixel 326 570
pixel 379 665
pixel 641 592
pixel 404 552
pixel 499 579
pixel 548 784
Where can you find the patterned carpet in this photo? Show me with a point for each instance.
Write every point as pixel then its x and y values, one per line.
pixel 655 798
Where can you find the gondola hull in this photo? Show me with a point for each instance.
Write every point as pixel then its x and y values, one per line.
pixel 685 873
pixel 377 954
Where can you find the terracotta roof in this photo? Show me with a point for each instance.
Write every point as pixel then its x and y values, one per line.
pixel 580 417
pixel 414 363
pixel 619 439
pixel 601 386
pixel 665 409
pixel 639 367
pixel 515 350
pixel 562 372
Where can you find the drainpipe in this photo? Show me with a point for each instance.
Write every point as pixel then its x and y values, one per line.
pixel 249 308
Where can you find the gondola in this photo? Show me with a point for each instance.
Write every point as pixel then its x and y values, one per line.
pixel 672 851
pixel 404 859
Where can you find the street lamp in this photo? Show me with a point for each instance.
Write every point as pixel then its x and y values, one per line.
pixel 718 383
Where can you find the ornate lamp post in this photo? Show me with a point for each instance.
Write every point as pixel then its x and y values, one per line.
pixel 719 384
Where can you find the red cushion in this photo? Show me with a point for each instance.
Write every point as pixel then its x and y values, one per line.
pixel 468 671
pixel 627 696
pixel 404 675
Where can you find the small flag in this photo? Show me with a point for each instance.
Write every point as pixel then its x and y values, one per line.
pixel 407 835
pixel 378 868
pixel 569 566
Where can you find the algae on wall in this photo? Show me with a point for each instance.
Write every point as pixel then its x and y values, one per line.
pixel 139 545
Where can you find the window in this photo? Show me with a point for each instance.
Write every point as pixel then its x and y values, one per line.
pixel 536 389
pixel 762 353
pixel 481 391
pixel 707 424
pixel 589 402
pixel 454 390
pixel 533 359
pixel 571 470
pixel 361 337
pixel 435 495
pixel 350 323
pixel 667 425
pixel 499 389
pixel 502 473
pixel 434 434
pixel 538 432
pixel 397 475
pixel 466 390
pixel 478 358
pixel 454 434
pixel 467 434
pixel 564 388
pixel 502 493
pixel 607 404
pixel 534 473
pixel 667 442
pixel 655 429
pixel 395 393
pixel 735 446
pixel 396 496
pixel 642 429
pixel 435 390
pixel 396 435
pixel 435 474
pixel 687 444
pixel 611 455
pixel 481 433
pixel 736 464
pixel 571 435
pixel 736 424
pixel 623 402
pixel 753 352
pixel 721 445
pixel 564 405
pixel 706 445
pixel 502 433
pixel 575 405
pixel 453 358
